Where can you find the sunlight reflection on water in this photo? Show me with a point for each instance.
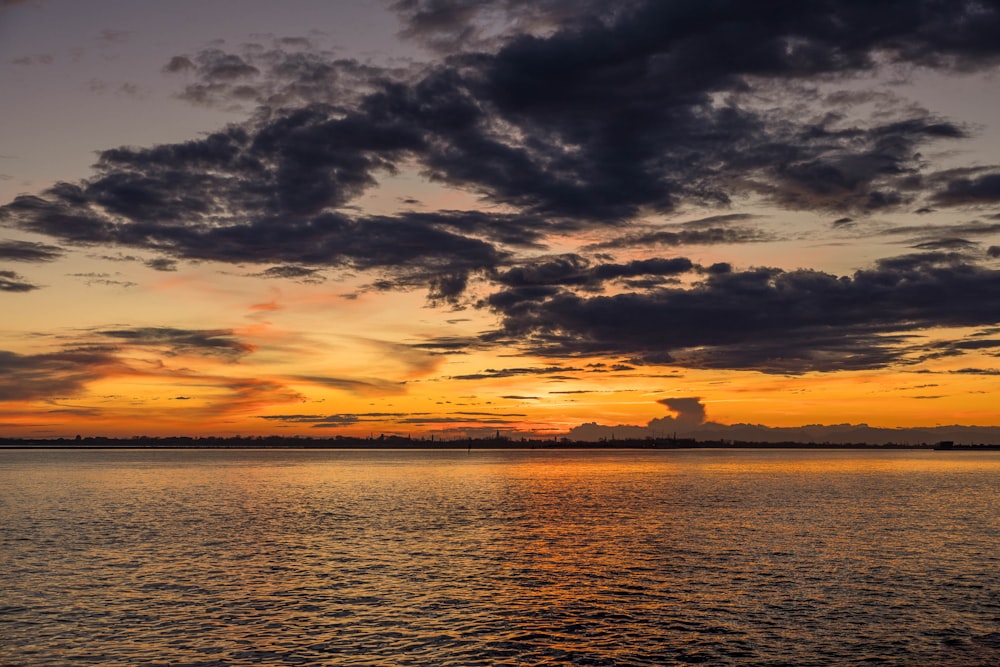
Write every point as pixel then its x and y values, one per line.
pixel 499 558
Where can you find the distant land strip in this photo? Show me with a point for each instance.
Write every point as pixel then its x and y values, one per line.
pixel 403 442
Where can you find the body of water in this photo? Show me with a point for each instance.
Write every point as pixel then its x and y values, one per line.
pixel 598 557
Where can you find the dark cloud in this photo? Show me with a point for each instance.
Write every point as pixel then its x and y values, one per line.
pixel 162 264
pixel 28 251
pixel 179 64
pixel 105 279
pixel 356 386
pixel 974 228
pixel 690 411
pixel 318 420
pixel 983 189
pixel 601 367
pixel 713 221
pixel 569 115
pixel 172 341
pixel 617 116
pixel 217 65
pixel 524 230
pixel 685 237
pixel 491 373
pixel 11 281
pixel 978 371
pixel 543 276
pixel 293 272
pixel 951 243
pixel 25 377
pixel 96 355
pixel 288 73
pixel 763 319
pixel 783 37
pixel 955 348
pixel 267 198
pixel 454 25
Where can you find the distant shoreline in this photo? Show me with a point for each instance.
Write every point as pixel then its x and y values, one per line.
pixel 397 442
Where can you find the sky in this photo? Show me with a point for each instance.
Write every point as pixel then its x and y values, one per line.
pixel 555 218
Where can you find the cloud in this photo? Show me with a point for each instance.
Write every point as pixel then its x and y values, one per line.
pixel 25 377
pixel 300 273
pixel 544 276
pixel 686 237
pixel 11 281
pixel 984 189
pixel 617 116
pixel 974 228
pixel 693 425
pixel 327 421
pixel 491 373
pixel 287 73
pixel 267 196
pixel 106 279
pixel 595 120
pixel 768 320
pixel 35 59
pixel 357 386
pixel 978 371
pixel 162 264
pixel 27 251
pixel 951 243
pixel 560 116
pixel 221 343
pixel 454 25
pixel 398 418
pixel 690 411
pixel 90 356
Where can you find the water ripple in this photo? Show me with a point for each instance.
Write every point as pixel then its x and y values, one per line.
pixel 504 558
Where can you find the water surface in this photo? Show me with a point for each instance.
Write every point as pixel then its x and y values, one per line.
pixel 276 557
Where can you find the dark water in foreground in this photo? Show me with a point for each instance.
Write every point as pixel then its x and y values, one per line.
pixel 499 558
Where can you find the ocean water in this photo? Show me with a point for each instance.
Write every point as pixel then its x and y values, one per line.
pixel 714 557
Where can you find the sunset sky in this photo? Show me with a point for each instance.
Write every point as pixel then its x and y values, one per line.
pixel 451 217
